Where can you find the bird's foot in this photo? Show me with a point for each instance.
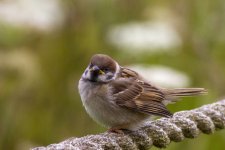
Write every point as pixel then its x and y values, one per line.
pixel 116 130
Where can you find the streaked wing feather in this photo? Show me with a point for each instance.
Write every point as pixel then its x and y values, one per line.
pixel 140 96
pixel 154 108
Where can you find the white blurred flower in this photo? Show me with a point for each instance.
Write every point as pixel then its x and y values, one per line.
pixel 40 14
pixel 163 76
pixel 144 36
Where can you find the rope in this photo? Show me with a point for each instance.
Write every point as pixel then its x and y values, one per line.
pixel 160 133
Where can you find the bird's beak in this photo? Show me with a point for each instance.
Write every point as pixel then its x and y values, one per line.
pixel 97 70
pixel 101 72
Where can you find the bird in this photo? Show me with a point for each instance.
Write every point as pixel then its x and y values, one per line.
pixel 120 99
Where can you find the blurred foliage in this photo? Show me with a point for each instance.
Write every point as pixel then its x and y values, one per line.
pixel 39 101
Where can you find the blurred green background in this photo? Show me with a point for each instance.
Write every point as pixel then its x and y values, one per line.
pixel 46 45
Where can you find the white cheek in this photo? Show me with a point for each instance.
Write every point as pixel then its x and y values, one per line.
pixel 104 77
pixel 86 74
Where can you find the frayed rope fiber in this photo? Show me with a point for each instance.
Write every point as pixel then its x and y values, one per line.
pixel 160 133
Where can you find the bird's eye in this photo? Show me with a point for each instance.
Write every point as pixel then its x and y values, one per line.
pixel 105 69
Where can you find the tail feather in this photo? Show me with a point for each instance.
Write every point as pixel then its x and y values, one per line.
pixel 180 92
pixel 172 95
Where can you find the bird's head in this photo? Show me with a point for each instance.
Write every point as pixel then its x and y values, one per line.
pixel 101 69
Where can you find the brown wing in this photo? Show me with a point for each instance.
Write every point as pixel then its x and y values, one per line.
pixel 133 93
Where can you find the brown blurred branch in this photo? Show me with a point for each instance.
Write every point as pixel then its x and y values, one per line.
pixel 159 133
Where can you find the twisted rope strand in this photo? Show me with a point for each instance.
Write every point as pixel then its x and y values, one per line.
pixel 184 124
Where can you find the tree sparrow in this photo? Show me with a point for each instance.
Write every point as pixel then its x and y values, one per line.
pixel 119 98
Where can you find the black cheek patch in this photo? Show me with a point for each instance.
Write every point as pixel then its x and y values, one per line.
pixel 109 77
pixel 85 72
